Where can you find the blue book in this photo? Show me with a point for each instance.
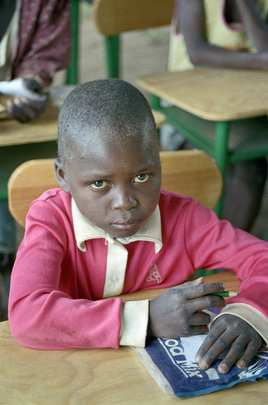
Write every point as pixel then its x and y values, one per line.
pixel 171 363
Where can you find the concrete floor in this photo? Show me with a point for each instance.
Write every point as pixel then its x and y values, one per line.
pixel 142 52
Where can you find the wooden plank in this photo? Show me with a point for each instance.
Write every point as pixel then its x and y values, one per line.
pixel 212 94
pixel 113 17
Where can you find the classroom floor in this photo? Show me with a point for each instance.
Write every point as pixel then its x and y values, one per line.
pixel 142 52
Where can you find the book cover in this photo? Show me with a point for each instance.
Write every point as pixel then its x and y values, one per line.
pixel 171 362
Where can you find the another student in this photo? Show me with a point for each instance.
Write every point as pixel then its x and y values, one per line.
pixel 222 33
pixel 35 38
pixel 110 229
pixel 227 34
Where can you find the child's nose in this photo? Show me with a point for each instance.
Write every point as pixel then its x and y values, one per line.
pixel 124 199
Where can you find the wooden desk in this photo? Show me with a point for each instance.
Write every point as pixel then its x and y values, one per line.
pixel 211 93
pixel 44 128
pixel 35 139
pixel 103 376
pixel 41 129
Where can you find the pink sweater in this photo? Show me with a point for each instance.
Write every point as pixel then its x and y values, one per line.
pixel 57 289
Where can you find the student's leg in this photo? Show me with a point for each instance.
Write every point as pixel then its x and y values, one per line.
pixel 244 187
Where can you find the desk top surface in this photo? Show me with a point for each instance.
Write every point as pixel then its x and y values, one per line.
pixel 45 127
pixel 212 93
pixel 103 376
pixel 41 129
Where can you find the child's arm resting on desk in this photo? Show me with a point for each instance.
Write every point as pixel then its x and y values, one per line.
pixel 240 326
pixel 231 332
pixel 179 312
pixel 46 308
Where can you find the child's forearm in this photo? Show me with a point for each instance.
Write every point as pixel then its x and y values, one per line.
pixel 215 56
pixel 255 26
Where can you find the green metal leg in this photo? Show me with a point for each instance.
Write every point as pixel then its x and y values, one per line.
pixel 155 102
pixel 112 47
pixel 72 71
pixel 221 151
pixel 218 149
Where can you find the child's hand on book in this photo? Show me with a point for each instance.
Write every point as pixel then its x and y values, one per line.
pixel 233 333
pixel 179 312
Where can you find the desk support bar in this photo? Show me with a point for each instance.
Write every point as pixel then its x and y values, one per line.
pixel 112 49
pixel 221 151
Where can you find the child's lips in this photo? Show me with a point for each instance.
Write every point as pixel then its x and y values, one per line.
pixel 126 224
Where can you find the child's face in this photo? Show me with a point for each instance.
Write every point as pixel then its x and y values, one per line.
pixel 116 187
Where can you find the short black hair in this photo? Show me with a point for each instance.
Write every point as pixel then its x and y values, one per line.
pixel 104 108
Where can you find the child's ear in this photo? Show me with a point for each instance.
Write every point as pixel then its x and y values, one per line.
pixel 61 175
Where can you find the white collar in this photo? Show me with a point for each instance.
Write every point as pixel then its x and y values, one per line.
pixel 84 230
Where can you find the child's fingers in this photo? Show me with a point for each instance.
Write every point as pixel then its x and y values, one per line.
pixel 198 289
pixel 196 330
pixel 24 109
pixel 252 347
pixel 191 283
pixel 205 302
pixel 229 333
pixel 197 297
pixel 209 351
pixel 15 111
pixel 234 354
pixel 200 318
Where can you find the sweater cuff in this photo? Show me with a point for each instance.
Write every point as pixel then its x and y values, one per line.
pixel 249 314
pixel 134 320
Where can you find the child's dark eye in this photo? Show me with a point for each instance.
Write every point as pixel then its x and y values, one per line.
pixel 142 178
pixel 98 184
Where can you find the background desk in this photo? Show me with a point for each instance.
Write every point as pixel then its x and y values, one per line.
pixel 41 129
pixel 221 111
pixel 103 376
pixel 32 140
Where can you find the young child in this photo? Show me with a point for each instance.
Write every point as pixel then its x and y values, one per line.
pixel 109 230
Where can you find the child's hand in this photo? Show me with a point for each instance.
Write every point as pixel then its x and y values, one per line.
pixel 178 311
pixel 29 101
pixel 229 331
pixel 24 109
